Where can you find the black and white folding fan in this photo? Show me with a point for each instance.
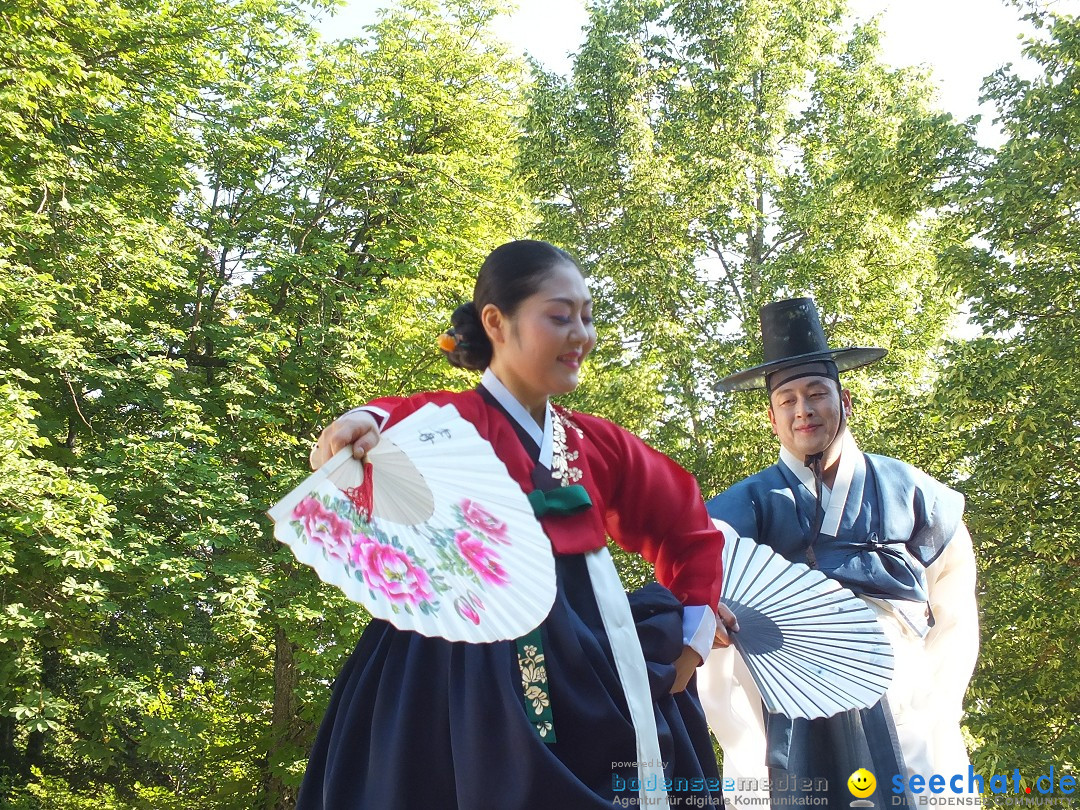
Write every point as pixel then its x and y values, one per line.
pixel 430 532
pixel 813 648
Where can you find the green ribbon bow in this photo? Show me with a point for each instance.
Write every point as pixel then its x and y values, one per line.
pixel 560 501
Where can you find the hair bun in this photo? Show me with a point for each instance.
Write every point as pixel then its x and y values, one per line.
pixel 473 348
pixel 510 274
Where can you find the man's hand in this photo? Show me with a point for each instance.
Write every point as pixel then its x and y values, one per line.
pixel 727 625
pixel 357 428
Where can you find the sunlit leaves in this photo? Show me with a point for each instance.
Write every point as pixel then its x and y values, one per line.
pixel 216 232
pixel 1011 400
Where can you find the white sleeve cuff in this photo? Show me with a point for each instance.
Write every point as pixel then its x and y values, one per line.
pixel 380 415
pixel 699 628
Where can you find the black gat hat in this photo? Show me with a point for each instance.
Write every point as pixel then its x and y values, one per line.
pixel 791 334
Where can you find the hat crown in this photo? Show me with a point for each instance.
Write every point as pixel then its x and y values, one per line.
pixel 791 329
pixel 791 335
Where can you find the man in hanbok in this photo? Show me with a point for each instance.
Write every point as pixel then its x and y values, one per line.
pixel 883 529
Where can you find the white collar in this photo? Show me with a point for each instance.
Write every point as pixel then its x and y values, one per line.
pixel 517 411
pixel 833 500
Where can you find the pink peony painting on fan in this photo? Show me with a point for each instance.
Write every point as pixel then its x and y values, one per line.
pixel 483 521
pixel 392 570
pixel 404 534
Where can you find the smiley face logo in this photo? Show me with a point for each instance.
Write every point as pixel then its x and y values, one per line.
pixel 861 783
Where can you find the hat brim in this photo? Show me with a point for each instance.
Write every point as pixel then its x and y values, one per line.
pixel 845 359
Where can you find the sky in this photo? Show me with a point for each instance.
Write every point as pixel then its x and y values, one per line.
pixel 959 41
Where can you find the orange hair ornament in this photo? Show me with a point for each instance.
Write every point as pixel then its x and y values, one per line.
pixel 448 341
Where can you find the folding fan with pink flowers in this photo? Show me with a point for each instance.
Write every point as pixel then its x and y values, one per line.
pixel 430 532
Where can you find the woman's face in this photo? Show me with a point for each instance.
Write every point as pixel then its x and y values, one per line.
pixel 538 351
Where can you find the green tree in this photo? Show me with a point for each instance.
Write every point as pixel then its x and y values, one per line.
pixel 215 233
pixel 335 258
pixel 1012 403
pixel 92 167
pixel 708 157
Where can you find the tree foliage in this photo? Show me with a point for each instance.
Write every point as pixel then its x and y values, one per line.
pixel 1010 399
pixel 218 231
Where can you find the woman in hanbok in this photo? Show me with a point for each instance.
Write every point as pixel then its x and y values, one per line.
pixel 595 708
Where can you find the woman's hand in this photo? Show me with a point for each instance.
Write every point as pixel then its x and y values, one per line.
pixel 690 660
pixel 685 665
pixel 357 428
pixel 726 625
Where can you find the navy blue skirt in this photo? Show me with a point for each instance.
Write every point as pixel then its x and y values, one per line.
pixel 416 722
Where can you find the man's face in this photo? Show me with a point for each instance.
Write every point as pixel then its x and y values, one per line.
pixel 805 413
